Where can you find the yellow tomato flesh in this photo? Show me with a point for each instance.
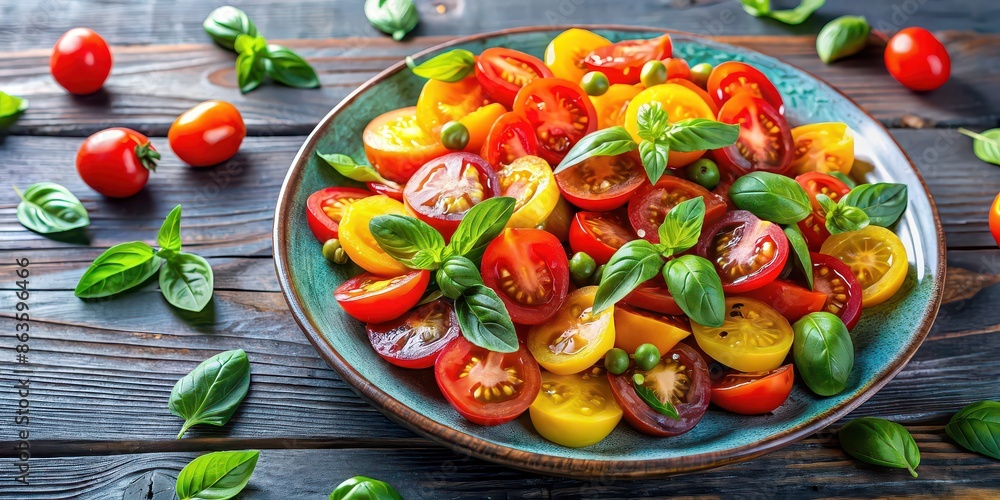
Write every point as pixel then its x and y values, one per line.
pixel 575 410
pixel 574 339
pixel 530 182
pixel 612 104
pixel 442 102
pixel 566 52
pixel 356 238
pixel 479 123
pixel 680 103
pixel 823 147
pixel 753 338
pixel 634 327
pixel 877 258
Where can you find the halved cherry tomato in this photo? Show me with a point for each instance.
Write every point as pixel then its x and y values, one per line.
pixel 697 90
pixel 530 182
pixel 765 141
pixel 528 269
pixel 747 252
pixel 326 208
pixel 415 339
pixel 622 62
pixel 486 387
pixel 510 138
pixel 823 147
pixel 634 327
pixel 357 240
pixel 375 299
pixel 731 78
pixel 677 68
pixel 602 183
pixel 575 338
pixel 753 393
pixel 877 258
pixel 599 235
pixel 790 300
pixel 652 295
pixel 559 112
pixel 81 61
pixel 479 123
pixel 207 134
pixel 816 183
pixel 566 52
pixel 502 72
pixel 559 221
pixel 842 289
pixel 917 59
pixel 394 191
pixel 650 205
pixel 813 228
pixel 611 105
pixel 753 338
pixel 681 377
pixel 994 219
pixel 441 102
pixel 396 145
pixel 445 188
pixel 575 410
pixel 680 103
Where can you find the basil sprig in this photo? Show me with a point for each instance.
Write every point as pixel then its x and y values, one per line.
pixel 456 275
pixel 800 249
pixel 451 66
pixel 798 15
pixel 649 397
pixel 695 285
pixel 883 202
pixel 47 207
pixel 823 352
pixel 634 263
pixel 880 442
pixel 409 240
pixel 611 141
pixel 985 145
pixel 842 217
pixel 119 268
pixel 771 197
pixel 288 68
pixel 227 23
pixel 219 476
pixel 11 108
pixel 361 487
pixel 212 392
pixel 977 428
pixel 392 17
pixel 842 37
pixel 251 63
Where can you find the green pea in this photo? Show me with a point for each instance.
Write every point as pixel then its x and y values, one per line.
pixel 616 361
pixel 653 73
pixel 704 172
pixel 595 279
pixel 334 252
pixel 595 83
pixel 646 356
pixel 581 268
pixel 454 136
pixel 699 74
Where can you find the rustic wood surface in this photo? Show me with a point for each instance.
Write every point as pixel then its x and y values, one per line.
pixel 102 370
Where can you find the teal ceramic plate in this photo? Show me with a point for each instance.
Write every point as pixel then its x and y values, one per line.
pixel 885 339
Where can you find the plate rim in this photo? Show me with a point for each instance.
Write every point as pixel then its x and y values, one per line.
pixel 548 464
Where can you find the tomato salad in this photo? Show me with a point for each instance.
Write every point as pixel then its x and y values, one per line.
pixel 593 236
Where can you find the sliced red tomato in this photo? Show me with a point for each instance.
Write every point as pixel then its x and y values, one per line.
pixel 652 295
pixel 376 299
pixel 602 183
pixel 394 191
pixel 731 78
pixel 326 207
pixel 622 62
pixel 502 72
pixel 790 300
pixel 842 288
pixel 753 393
pixel 765 140
pixel 528 269
pixel 599 235
pixel 747 252
pixel 397 146
pixel 650 205
pixel 444 189
pixel 560 113
pixel 510 138
pixel 415 339
pixel 813 227
pixel 486 387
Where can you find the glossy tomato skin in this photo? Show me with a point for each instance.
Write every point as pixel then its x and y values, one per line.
pixel 622 62
pixel 112 162
pixel 918 60
pixel 566 52
pixel 753 393
pixel 415 339
pixel 325 209
pixel 765 140
pixel 651 203
pixel 394 191
pixel 602 183
pixel 733 77
pixel 843 290
pixel 81 61
pixel 511 137
pixel 560 113
pixel 734 245
pixel 653 295
pixel 790 300
pixel 599 235
pixel 367 297
pixel 445 188
pixel 397 146
pixel 207 134
pixel 528 270
pixel 684 82
pixel 502 72
pixel 994 219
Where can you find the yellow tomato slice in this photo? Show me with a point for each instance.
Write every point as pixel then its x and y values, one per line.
pixel 575 410
pixel 479 123
pixel 530 182
pixel 356 238
pixel 753 338
pixel 876 256
pixel 442 102
pixel 574 339
pixel 680 103
pixel 823 147
pixel 612 104
pixel 634 327
pixel 566 52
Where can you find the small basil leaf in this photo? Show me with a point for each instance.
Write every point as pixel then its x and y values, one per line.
pixel 681 227
pixel 823 352
pixel 346 166
pixel 187 281
pixel 696 134
pixel 649 397
pixel 456 275
pixel 361 487
pixel 212 391
pixel 985 145
pixel 251 64
pixel 652 121
pixel 883 202
pixel 11 108
pixel 119 268
pixel 771 197
pixel 880 442
pixel 484 320
pixel 842 37
pixel 611 141
pixel 451 66
pixel 409 240
pixel 845 218
pixel 693 282
pixel 977 428
pixel 47 207
pixel 801 251
pixel 479 226
pixel 842 177
pixel 227 23
pixel 632 264
pixel 654 155
pixel 216 476
pixel 169 237
pixel 392 17
pixel 798 15
pixel 291 69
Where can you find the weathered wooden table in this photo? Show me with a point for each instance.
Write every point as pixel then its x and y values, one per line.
pixel 100 372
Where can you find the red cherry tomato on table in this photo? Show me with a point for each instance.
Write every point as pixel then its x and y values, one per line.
pixel 81 61
pixel 444 189
pixel 747 252
pixel 116 162
pixel 510 138
pixel 559 111
pixel 765 140
pixel 995 219
pixel 602 183
pixel 753 393
pixel 842 288
pixel 622 62
pixel 649 206
pixel 502 72
pixel 325 209
pixel 731 78
pixel 599 235
pixel 415 339
pixel 915 58
pixel 528 269
pixel 376 299
pixel 207 134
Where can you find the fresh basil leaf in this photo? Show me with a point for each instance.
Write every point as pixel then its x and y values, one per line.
pixel 47 207
pixel 880 442
pixel 346 166
pixel 216 476
pixel 227 23
pixel 484 320
pixel 649 397
pixel 771 197
pixel 986 145
pixel 251 64
pixel 187 281
pixel 883 202
pixel 361 487
pixel 757 8
pixel 291 69
pixel 842 177
pixel 212 391
pixel 693 282
pixel 652 121
pixel 977 428
pixel 842 37
pixel 798 15
pixel 451 66
pixel 611 141
pixel 823 352
pixel 392 17
pixel 681 227
pixel 696 134
pixel 119 268
pixel 483 222
pixel 654 155
pixel 845 218
pixel 632 264
pixel 11 108
pixel 169 237
pixel 409 240
pixel 800 249
pixel 456 275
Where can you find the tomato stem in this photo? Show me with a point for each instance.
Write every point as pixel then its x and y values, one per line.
pixel 147 156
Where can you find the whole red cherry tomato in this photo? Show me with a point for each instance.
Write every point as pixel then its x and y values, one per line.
pixel 207 134
pixel 81 61
pixel 116 162
pixel 915 58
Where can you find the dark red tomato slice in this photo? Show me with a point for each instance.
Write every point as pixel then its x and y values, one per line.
pixel 326 207
pixel 765 141
pixel 790 300
pixel 622 62
pixel 375 299
pixel 652 295
pixel 599 235
pixel 681 377
pixel 486 387
pixel 819 183
pixel 415 339
pixel 444 189
pixel 510 138
pixel 731 78
pixel 602 183
pixel 502 72
pixel 813 228
pixel 842 288
pixel 560 113
pixel 528 269
pixel 747 252
pixel 650 205
pixel 392 191
pixel 753 393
